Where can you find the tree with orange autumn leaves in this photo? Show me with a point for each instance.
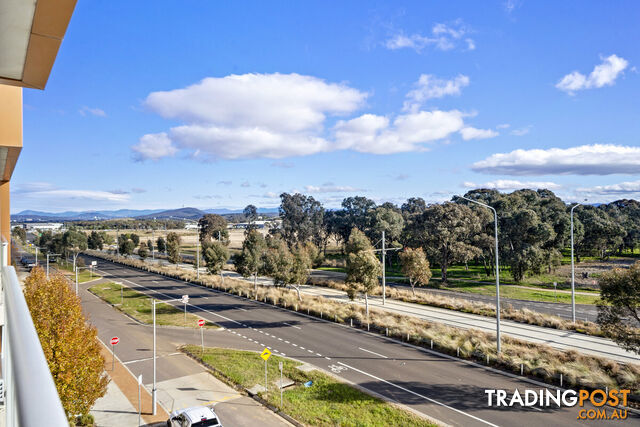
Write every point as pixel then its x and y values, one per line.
pixel 69 343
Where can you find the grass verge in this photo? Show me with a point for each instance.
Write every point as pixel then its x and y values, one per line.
pixel 538 361
pixel 138 306
pixel 327 402
pixel 83 275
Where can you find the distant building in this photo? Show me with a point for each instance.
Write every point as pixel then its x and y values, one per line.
pixel 44 226
pixel 191 226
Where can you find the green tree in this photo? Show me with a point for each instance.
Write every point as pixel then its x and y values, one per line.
pixel 363 267
pixel 212 226
pixel 19 233
pixel 143 252
pixel 619 308
pixel 95 241
pixel 250 215
pixel 150 245
pixel 173 247
pixel 415 267
pixel 74 241
pixel 286 267
pixel 250 261
pixel 134 238
pixel 301 219
pixel 161 245
pixel 215 255
pixel 125 245
pixel 446 233
pixel 70 344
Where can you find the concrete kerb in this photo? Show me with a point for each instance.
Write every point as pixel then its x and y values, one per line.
pixel 392 339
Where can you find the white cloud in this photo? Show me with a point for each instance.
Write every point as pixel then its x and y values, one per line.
pixel 330 188
pixel 442 37
pixel 276 116
pixel 597 159
pixel 503 126
pixel 93 111
pixel 474 133
pixel 621 188
pixel 604 74
pixel 154 146
pixel 508 184
pixel 375 134
pixel 521 131
pixel 78 194
pixel 254 115
pixel 429 86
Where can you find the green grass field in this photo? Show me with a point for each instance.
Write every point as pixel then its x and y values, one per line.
pixel 514 292
pixel 326 403
pixel 138 306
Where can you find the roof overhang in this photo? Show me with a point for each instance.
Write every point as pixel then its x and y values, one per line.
pixel 31 32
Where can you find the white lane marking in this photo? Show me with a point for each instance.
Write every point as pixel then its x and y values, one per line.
pixel 293 326
pixel 295 345
pixel 241 309
pixel 328 358
pixel 373 352
pixel 261 345
pixel 260 331
pixel 269 347
pixel 419 395
pixel 302 348
pixel 310 351
pixel 286 341
pixel 280 339
pixel 283 354
pixel 318 354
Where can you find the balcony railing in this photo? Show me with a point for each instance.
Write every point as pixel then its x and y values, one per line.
pixel 31 398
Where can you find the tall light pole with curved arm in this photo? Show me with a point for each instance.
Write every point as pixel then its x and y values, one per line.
pixel 573 271
pixel 495 217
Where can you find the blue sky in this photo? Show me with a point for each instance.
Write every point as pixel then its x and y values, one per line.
pixel 163 104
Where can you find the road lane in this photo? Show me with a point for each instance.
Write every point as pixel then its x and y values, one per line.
pixel 455 384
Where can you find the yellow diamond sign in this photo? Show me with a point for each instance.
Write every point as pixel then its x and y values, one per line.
pixel 265 354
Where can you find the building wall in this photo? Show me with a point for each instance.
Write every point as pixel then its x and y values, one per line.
pixel 11 140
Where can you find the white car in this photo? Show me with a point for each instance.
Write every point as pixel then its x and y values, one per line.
pixel 197 416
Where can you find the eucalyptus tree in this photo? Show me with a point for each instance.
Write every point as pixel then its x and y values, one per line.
pixel 363 267
pixel 302 219
pixel 250 262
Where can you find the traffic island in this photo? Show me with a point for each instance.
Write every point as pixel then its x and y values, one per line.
pixel 309 397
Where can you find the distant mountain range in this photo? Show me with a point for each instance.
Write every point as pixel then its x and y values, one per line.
pixel 181 213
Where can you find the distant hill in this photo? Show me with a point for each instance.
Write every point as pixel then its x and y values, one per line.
pixel 182 213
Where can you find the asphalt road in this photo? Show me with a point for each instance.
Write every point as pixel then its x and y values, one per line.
pixel 449 390
pixel 583 311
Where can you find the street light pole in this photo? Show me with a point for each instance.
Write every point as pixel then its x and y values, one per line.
pixel 495 217
pixel 153 391
pixel 384 275
pixel 198 258
pixel 573 272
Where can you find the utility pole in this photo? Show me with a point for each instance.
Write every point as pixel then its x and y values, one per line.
pixel 384 274
pixel 573 272
pixel 198 258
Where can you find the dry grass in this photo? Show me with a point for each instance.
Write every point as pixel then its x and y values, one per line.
pixel 474 307
pixel 540 361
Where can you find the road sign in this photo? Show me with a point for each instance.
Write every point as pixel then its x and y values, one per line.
pixel 115 340
pixel 280 366
pixel 266 354
pixel 94 263
pixel 201 322
pixel 185 299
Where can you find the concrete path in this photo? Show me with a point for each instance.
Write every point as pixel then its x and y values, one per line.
pixel 114 409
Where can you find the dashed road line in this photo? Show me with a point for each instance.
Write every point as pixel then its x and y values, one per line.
pixel 373 352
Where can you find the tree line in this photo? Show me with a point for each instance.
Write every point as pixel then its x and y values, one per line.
pixel 534 228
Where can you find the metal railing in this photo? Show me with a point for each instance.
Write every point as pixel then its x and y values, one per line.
pixel 31 398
